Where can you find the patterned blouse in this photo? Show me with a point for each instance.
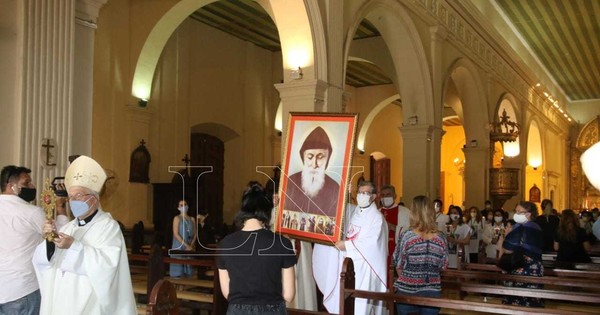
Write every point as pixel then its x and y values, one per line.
pixel 419 262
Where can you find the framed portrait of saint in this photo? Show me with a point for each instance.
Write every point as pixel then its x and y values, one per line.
pixel 315 174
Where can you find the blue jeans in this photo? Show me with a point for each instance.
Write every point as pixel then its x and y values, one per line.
pixel 402 309
pixel 27 305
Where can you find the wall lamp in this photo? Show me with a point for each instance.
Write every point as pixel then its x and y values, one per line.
pixel 142 102
pixel 361 151
pixel 296 74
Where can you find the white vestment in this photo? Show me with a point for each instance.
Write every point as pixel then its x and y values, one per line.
pixel 366 243
pixel 306 291
pixel 92 276
pixel 403 221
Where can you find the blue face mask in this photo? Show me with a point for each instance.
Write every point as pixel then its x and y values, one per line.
pixel 79 207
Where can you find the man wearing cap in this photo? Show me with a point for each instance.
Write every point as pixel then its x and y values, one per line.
pixel 311 190
pixel 85 270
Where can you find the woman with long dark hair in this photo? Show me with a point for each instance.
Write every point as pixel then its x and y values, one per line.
pixel 184 237
pixel 571 241
pixel 256 266
pixel 459 235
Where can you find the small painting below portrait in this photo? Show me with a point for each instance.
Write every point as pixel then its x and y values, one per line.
pixel 318 155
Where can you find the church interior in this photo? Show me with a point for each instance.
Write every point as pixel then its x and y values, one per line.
pixel 465 101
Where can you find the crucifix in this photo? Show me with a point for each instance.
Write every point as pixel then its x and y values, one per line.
pixel 48 146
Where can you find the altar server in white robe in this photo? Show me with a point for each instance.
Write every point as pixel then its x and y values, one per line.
pixel 366 243
pixel 85 270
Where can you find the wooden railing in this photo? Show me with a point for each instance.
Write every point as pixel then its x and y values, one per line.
pixel 592 299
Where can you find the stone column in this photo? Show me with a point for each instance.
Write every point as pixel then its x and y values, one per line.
pixel 335 56
pixel 301 96
pixel 86 15
pixel 57 73
pixel 476 179
pixel 421 172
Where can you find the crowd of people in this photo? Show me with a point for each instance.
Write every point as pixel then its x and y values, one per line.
pixel 258 275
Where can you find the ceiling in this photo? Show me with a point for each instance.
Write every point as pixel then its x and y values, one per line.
pixel 563 34
pixel 247 20
pixel 565 37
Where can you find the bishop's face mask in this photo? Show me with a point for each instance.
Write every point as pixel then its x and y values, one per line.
pixel 79 207
pixel 25 193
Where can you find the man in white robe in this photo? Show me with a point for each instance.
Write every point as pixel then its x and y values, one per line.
pixel 85 270
pixel 366 243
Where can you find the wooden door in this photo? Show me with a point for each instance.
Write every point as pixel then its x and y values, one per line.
pixel 207 150
pixel 380 172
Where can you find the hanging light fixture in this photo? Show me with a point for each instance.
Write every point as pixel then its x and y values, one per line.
pixel 589 163
pixel 504 181
pixel 511 149
pixel 506 131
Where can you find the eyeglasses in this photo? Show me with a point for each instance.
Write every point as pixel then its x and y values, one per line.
pixel 364 193
pixel 78 196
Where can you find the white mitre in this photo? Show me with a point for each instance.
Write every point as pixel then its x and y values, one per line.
pixel 85 172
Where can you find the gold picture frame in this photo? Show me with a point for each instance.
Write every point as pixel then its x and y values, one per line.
pixel 315 175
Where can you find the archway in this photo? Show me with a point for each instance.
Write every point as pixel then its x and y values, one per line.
pixel 534 170
pixel 452 157
pixel 463 98
pixel 398 34
pixel 292 20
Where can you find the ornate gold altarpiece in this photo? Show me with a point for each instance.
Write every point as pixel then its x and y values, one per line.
pixel 583 194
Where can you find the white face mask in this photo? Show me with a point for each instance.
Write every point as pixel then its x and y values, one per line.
pixel 498 219
pixel 437 207
pixel 520 218
pixel 183 208
pixel 454 217
pixel 363 200
pixel 387 201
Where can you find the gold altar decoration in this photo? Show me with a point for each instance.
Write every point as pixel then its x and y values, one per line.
pixel 48 198
pixel 582 194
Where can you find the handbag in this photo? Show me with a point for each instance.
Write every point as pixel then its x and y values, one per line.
pixel 515 260
pixel 509 262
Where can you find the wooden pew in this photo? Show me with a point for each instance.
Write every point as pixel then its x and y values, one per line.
pixel 163 299
pixel 156 271
pixel 348 294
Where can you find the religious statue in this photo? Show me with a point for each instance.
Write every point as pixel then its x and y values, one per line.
pixel 139 167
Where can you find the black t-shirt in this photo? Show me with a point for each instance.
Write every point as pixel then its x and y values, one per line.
pixel 549 225
pixel 254 260
pixel 572 251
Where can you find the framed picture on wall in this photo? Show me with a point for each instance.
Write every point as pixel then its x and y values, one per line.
pixel 315 174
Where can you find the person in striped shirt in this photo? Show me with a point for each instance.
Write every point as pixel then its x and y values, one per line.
pixel 420 256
